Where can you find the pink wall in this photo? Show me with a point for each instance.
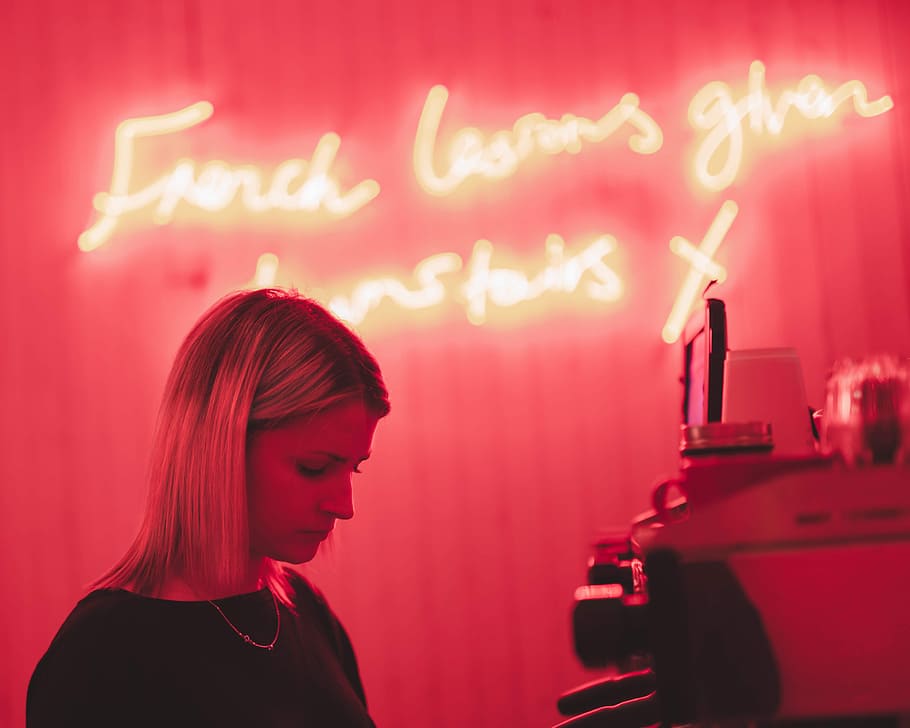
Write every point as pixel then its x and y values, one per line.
pixel 512 444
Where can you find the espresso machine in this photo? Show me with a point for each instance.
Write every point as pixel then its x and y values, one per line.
pixel 766 585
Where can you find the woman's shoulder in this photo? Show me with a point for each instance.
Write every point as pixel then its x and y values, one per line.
pixel 95 628
pixel 309 601
pixel 97 618
pixel 88 649
pixel 307 597
pixel 302 589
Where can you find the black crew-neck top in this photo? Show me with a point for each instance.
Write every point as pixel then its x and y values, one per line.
pixel 130 661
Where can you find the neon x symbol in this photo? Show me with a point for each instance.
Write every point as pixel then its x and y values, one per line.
pixel 702 268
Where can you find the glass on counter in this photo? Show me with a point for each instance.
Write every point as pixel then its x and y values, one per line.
pixel 866 419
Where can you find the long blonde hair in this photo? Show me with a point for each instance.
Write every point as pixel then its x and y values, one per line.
pixel 254 360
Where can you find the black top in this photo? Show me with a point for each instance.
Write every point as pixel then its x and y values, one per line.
pixel 125 660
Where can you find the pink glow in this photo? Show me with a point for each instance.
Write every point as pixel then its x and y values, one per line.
pixel 511 445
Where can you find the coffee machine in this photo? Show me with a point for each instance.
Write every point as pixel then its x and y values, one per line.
pixel 765 586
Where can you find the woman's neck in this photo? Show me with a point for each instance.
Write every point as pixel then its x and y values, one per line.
pixel 181 589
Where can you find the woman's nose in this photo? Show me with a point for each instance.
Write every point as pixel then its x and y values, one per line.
pixel 339 501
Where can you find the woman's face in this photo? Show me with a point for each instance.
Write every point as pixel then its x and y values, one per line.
pixel 299 479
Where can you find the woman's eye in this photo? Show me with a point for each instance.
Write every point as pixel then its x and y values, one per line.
pixel 310 471
pixel 315 471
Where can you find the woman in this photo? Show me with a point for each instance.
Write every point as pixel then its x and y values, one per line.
pixel 269 409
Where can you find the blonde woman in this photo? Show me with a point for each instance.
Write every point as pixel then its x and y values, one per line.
pixel 269 410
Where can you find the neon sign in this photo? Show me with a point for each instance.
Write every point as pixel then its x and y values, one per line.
pixel 713 110
pixel 585 272
pixel 298 185
pixel 702 268
pixel 217 184
pixel 498 157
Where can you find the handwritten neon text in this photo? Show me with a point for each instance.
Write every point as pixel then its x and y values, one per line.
pixel 484 284
pixel 714 111
pixel 296 185
pixel 499 156
pixel 508 287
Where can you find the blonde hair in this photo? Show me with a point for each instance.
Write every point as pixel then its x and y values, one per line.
pixel 254 360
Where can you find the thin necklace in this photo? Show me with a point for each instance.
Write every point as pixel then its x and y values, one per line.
pixel 245 637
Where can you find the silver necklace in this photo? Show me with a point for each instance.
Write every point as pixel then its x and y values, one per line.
pixel 245 637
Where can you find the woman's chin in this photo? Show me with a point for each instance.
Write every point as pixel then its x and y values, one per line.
pixel 300 553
